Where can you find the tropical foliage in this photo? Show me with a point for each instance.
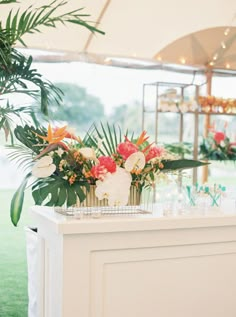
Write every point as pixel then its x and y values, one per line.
pixel 61 166
pixel 217 146
pixel 17 74
pixel 183 149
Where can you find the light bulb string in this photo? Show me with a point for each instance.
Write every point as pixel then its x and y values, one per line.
pixel 224 45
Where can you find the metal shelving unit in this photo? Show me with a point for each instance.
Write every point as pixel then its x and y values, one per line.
pixel 160 87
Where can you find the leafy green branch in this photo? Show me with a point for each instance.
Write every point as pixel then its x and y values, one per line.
pixel 9 115
pixel 32 19
pixel 16 70
pixel 7 1
pixel 19 74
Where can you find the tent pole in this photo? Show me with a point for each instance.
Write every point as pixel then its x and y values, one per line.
pixel 207 121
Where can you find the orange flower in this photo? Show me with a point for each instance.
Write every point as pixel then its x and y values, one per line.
pixel 54 136
pixel 68 135
pixel 212 126
pixel 78 157
pixel 142 138
pixel 87 174
pixel 53 139
pixel 136 171
pixel 72 179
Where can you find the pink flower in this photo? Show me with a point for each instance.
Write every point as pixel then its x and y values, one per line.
pixel 154 152
pixel 108 163
pixel 127 148
pixel 99 172
pixel 219 136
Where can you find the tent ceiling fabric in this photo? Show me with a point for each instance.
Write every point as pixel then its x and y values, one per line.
pixel 137 29
pixel 208 47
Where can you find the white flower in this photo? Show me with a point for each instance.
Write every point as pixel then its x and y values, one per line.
pixel 118 199
pixel 135 161
pixel 59 152
pixel 115 187
pixel 88 153
pixel 44 167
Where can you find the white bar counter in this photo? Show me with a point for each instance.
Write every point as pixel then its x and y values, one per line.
pixel 136 266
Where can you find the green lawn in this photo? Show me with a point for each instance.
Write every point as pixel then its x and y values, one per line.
pixel 13 283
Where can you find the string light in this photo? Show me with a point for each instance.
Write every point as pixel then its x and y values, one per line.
pixel 159 58
pixel 223 44
pixel 182 60
pixel 226 32
pixel 215 56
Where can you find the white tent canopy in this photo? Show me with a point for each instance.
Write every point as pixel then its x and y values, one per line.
pixel 134 28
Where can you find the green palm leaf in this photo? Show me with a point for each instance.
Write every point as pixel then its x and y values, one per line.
pixel 111 136
pixel 9 115
pixel 7 1
pixel 16 70
pixel 30 21
pixel 19 74
pixel 17 202
pixel 27 135
pixel 21 156
pixel 181 164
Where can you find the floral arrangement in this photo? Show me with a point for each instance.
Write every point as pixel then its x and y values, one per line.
pixel 62 166
pixel 217 146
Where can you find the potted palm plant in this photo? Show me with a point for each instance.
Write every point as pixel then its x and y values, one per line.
pixel 18 76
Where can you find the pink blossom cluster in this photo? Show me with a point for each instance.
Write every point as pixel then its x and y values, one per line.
pixel 127 148
pixel 106 164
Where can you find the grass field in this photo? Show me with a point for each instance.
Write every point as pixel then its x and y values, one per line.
pixel 13 268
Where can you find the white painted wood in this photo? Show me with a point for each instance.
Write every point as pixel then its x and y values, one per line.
pixel 32 262
pixel 136 266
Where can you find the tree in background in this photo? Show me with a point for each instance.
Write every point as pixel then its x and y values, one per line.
pixel 127 117
pixel 80 109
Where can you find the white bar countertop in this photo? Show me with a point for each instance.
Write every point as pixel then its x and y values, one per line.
pixel 131 222
pixel 136 265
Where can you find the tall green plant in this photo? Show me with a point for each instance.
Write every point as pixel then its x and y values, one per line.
pixel 16 71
